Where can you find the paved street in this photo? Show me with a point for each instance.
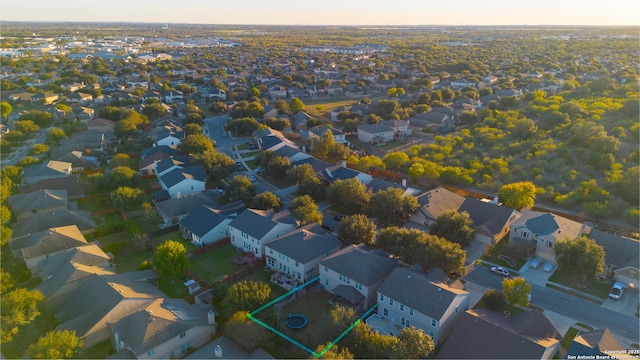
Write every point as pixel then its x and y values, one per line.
pixel 568 306
pixel 21 152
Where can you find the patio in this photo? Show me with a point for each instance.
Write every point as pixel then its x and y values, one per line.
pixel 284 281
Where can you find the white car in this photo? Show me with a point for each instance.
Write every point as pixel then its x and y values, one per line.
pixel 499 270
pixel 616 290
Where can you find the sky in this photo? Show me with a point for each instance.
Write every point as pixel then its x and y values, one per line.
pixel 329 12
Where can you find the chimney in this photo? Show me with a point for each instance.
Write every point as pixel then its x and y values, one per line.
pixel 344 163
pixel 217 352
pixel 404 182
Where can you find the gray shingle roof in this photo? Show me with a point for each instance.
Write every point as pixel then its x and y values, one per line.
pixel 484 334
pixel 542 225
pixel 305 244
pixel 619 251
pixel 595 342
pixel 256 223
pixel 45 220
pixel 361 264
pixel 439 200
pixel 173 161
pixel 493 217
pixel 186 204
pixel 175 176
pixel 48 241
pixel 38 200
pixel 416 291
pixel 202 220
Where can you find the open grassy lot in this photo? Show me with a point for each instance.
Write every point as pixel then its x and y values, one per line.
pixel 322 109
pixel 215 263
pixel 172 235
pixel 131 261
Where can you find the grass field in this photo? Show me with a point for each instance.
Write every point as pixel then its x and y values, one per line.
pixel 215 263
pixel 322 109
pixel 173 235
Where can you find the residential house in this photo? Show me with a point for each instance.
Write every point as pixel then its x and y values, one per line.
pixel 169 150
pixel 182 181
pixel 376 134
pixel 44 99
pixel 101 300
pixel 378 184
pixel 318 132
pixel 164 329
pixel 433 203
pixel 485 334
pixel 147 165
pixel 71 184
pixel 47 170
pixel 35 247
pixel 252 229
pixel 271 140
pixel 541 230
pixel 293 154
pixel 65 271
pixel 217 95
pixel 80 162
pixel 169 163
pixel 173 96
pixel 205 226
pixel 298 252
pixel 622 258
pixel 82 114
pixel 334 113
pixel 21 97
pixel 26 205
pixel 100 124
pixel 599 343
pixel 96 140
pixel 45 220
pixel 299 121
pixel 173 210
pixel 169 136
pixel 408 298
pixel 72 87
pixel 150 95
pixel 341 172
pixel 318 165
pixel 490 219
pixel 400 128
pixel 437 122
pixel 78 98
pixel 355 273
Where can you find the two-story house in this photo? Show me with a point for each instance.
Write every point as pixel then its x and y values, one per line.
pixel 318 131
pixel 490 219
pixel 408 298
pixel 433 203
pixel 355 273
pixel 298 252
pixel 205 226
pixel 252 229
pixel 183 181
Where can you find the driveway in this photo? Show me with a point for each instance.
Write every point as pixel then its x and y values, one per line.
pixel 627 304
pixel 535 276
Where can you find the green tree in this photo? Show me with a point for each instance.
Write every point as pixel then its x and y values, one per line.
pixel 386 205
pixel 244 332
pixel 218 107
pixel 6 282
pixel 494 300
pixel 217 164
pixel 265 201
pixel 246 295
pixel 305 210
pixel 125 129
pixel 282 106
pixel 127 198
pixel 365 343
pixel 454 226
pixel 195 144
pixel 313 187
pixel 55 136
pixel 416 171
pixel 5 110
pixel 369 162
pixel 582 256
pixel 26 126
pixel 242 125
pixel 518 195
pixel 357 229
pixel 153 111
pixel 351 195
pixel 516 291
pixel 395 160
pixel 37 149
pixel 66 109
pixel 56 345
pixel 42 118
pixel 414 344
pixel 277 123
pixel 170 258
pixel 296 105
pixel 239 188
pixel 19 308
pixel 301 172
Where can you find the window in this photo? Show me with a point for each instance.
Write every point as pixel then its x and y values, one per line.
pixel 410 311
pixel 270 251
pixel 434 323
pixel 326 269
pixel 385 312
pixel 405 322
pixel 549 244
pixel 358 286
pixel 432 334
pixel 381 297
pixel 183 335
pixel 150 352
pixel 456 308
pixel 401 307
pixel 390 301
pixel 297 264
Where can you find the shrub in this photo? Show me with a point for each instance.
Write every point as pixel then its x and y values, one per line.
pixel 494 300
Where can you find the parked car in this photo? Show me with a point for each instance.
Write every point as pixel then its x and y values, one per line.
pixel 548 266
pixel 616 290
pixel 327 227
pixel 252 178
pixel 338 218
pixel 499 270
pixel 535 263
pixel 239 166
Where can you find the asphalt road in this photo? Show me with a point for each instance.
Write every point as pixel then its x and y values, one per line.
pixel 18 153
pixel 576 308
pixel 214 130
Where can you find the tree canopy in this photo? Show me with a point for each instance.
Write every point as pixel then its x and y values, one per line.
pixel 582 256
pixel 518 195
pixel 454 226
pixel 351 195
pixel 246 295
pixel 305 210
pixel 357 229
pixel 171 258
pixel 516 291
pixel 56 345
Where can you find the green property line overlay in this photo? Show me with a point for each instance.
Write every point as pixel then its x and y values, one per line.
pixel 303 347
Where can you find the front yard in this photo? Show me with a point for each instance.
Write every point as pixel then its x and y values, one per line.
pixel 593 286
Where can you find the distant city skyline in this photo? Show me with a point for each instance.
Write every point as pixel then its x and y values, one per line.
pixel 330 12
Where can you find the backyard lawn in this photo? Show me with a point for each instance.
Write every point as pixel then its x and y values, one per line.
pixel 315 306
pixel 173 235
pixel 130 262
pixel 215 263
